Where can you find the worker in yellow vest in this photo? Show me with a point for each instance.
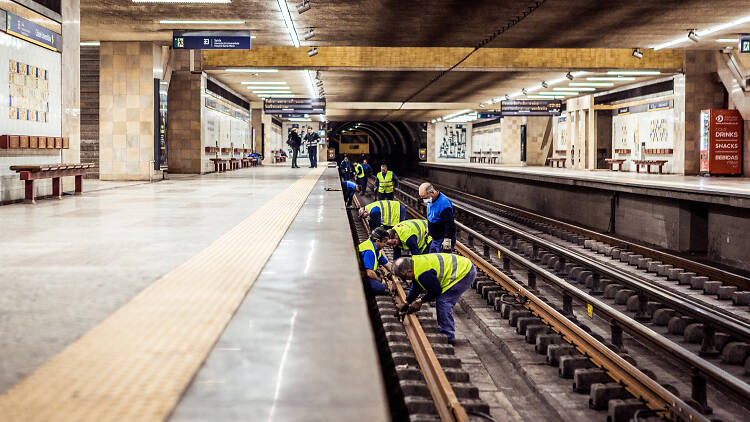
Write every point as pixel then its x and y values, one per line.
pixel 385 183
pixel 383 213
pixel 444 277
pixel 359 176
pixel 409 235
pixel 371 254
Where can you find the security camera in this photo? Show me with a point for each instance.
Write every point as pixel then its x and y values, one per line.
pixel 313 51
pixel 303 7
pixel 309 34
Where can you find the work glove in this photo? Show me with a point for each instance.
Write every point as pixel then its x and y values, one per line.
pixel 401 311
pixel 414 307
pixel 446 244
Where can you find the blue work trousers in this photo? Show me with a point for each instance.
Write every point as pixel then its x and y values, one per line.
pixel 375 287
pixel 348 195
pixel 446 301
pixel 362 182
pixel 384 196
pixel 436 246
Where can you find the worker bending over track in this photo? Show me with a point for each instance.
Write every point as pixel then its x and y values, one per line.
pixel 371 253
pixel 410 235
pixel 385 183
pixel 440 219
pixel 349 188
pixel 445 277
pixel 385 213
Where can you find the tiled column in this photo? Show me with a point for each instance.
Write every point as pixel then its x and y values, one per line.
pixel 126 128
pixel 185 151
pixel 431 158
pixel 256 117
pixel 71 83
pixel 267 145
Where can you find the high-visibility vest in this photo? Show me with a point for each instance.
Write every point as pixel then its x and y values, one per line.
pixel 450 268
pixel 385 183
pixel 409 228
pixel 360 172
pixel 367 245
pixel 390 212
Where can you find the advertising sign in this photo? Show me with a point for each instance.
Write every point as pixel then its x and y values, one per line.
pixel 211 40
pixel 531 107
pixel 286 106
pixel 33 33
pixel 721 140
pixel 745 43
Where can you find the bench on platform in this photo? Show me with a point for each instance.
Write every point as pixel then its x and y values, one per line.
pixel 612 161
pixel 648 164
pixel 556 162
pixel 234 164
pixel 29 173
pixel 220 164
pixel 245 162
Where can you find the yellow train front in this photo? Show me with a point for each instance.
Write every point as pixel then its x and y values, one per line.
pixel 354 143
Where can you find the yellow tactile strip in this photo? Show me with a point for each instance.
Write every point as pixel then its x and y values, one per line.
pixel 135 365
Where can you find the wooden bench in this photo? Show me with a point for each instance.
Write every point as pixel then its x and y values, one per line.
pixel 556 162
pixel 29 173
pixel 612 161
pixel 245 162
pixel 234 164
pixel 648 164
pixel 220 164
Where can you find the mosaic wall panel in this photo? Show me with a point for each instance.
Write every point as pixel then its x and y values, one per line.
pixel 453 141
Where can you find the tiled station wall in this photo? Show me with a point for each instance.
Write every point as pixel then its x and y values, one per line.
pixel 90 108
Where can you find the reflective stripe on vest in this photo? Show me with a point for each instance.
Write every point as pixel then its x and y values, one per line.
pixel 367 245
pixel 390 212
pixel 385 184
pixel 359 170
pixel 450 268
pixel 408 228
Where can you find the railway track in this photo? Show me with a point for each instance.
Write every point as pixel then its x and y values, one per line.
pixel 604 291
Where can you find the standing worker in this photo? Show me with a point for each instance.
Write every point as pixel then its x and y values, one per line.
pixel 294 141
pixel 371 253
pixel 410 235
pixel 445 277
pixel 349 188
pixel 385 183
pixel 345 168
pixel 368 173
pixel 359 176
pixel 311 141
pixel 440 219
pixel 385 213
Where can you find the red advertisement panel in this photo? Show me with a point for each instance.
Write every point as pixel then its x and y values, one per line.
pixel 721 142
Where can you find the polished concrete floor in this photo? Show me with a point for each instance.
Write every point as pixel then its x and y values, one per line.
pixel 67 264
pixel 300 347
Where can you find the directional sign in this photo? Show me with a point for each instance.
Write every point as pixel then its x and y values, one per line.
pixel 287 106
pixel 745 43
pixel 33 33
pixel 490 115
pixel 531 107
pixel 211 40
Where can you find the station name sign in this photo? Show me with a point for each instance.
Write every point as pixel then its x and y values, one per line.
pixel 211 40
pixel 531 107
pixel 33 33
pixel 289 106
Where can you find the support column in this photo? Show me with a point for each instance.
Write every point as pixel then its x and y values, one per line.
pixel 71 81
pixel 256 122
pixel 267 144
pixel 431 156
pixel 185 152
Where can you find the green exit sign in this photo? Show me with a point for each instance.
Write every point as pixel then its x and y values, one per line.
pixel 179 42
pixel 745 43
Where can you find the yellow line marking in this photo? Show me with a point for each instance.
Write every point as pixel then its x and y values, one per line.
pixel 135 365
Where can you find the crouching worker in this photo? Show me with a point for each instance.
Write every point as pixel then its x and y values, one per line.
pixel 444 277
pixel 371 253
pixel 410 235
pixel 349 188
pixel 385 213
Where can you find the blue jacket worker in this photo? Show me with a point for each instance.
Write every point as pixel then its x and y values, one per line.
pixel 440 220
pixel 409 235
pixel 371 254
pixel 345 168
pixel 349 188
pixel 444 277
pixel 385 183
pixel 383 213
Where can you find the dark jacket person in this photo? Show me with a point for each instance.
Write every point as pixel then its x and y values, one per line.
pixel 294 143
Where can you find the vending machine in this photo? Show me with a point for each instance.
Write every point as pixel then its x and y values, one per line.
pixel 721 142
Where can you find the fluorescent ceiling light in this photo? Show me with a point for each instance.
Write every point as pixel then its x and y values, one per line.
pixel 262 83
pixel 458 113
pixel 272 92
pixel 607 84
pixel 610 78
pixel 278 96
pixel 90 43
pixel 728 40
pixel 184 1
pixel 164 82
pixel 563 88
pixel 566 93
pixel 633 72
pixel 182 22
pixel 545 97
pixel 269 88
pixel 704 32
pixel 299 119
pixel 288 22
pixel 252 70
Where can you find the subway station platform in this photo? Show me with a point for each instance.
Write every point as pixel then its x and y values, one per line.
pixel 733 191
pixel 232 296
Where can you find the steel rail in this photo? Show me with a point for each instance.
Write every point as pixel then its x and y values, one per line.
pixel 666 258
pixel 721 379
pixel 446 403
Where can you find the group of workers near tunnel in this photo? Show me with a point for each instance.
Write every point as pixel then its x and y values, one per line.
pixel 423 250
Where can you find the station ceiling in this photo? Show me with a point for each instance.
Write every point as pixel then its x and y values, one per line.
pixel 418 23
